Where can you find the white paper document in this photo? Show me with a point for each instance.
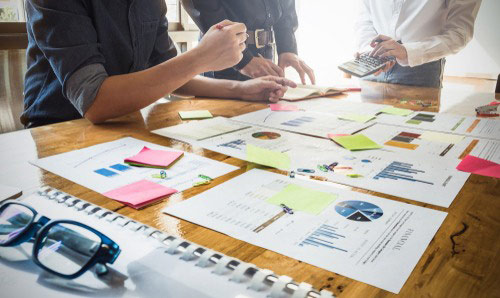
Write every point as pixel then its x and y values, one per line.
pixel 370 239
pixel 142 269
pixel 447 123
pixel 310 123
pixel 193 131
pixel 101 167
pixel 411 177
pixel 8 192
pixel 427 144
pixel 339 107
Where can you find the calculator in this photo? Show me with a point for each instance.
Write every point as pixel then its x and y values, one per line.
pixel 364 65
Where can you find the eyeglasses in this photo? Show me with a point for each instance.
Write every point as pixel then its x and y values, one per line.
pixel 65 248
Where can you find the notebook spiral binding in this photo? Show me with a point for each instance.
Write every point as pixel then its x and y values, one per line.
pixel 259 278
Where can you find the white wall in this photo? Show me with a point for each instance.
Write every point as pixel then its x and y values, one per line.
pixel 481 57
pixel 326 36
pixel 326 39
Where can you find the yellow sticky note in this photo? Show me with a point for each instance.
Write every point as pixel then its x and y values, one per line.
pixel 268 157
pixel 396 111
pixel 303 199
pixel 357 117
pixel 441 137
pixel 199 114
pixel 356 142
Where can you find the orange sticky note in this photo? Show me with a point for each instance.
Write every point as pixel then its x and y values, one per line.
pixel 479 166
pixel 283 107
pixel 154 158
pixel 140 193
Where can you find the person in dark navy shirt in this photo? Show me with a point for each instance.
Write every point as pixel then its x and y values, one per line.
pixel 270 23
pixel 104 59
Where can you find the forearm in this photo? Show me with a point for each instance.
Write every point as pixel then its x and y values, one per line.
pixel 123 94
pixel 207 87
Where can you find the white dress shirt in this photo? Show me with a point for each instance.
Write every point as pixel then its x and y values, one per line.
pixel 428 29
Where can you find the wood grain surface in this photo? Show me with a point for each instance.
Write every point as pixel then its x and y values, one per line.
pixel 461 261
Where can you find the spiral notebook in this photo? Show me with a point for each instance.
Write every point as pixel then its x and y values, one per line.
pixel 151 264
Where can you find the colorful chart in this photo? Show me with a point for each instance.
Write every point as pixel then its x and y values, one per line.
pixel 236 144
pixel 105 172
pixel 120 167
pixel 417 119
pixel 359 210
pixel 403 140
pixel 325 236
pixel 299 121
pixel 401 171
pixel 266 135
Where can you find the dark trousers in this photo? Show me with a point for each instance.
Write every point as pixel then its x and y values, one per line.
pixel 425 75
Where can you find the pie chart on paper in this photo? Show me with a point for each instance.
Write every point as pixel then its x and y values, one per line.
pixel 359 211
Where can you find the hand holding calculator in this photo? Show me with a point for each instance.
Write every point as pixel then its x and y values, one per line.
pixel 364 65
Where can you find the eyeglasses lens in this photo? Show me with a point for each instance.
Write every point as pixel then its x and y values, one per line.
pixel 14 219
pixel 66 248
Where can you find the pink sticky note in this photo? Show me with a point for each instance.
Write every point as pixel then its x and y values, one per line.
pixel 494 103
pixel 155 158
pixel 139 194
pixel 283 107
pixel 334 135
pixel 479 166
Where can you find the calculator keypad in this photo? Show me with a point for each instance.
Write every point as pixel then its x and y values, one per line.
pixel 365 64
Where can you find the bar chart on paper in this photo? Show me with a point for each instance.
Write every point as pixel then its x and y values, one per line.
pixel 325 236
pixel 401 171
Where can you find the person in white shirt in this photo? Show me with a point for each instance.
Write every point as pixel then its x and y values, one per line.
pixel 418 33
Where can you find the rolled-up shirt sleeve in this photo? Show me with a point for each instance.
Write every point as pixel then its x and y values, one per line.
pixel 65 34
pixel 82 87
pixel 457 32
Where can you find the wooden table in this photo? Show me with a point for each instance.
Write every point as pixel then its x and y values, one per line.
pixel 461 261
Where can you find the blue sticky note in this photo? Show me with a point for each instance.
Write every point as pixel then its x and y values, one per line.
pixel 106 172
pixel 120 167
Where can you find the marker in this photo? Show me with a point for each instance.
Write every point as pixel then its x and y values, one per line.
pixel 305 171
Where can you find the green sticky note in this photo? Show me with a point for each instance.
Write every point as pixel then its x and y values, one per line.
pixel 357 117
pixel 356 142
pixel 396 111
pixel 303 199
pixel 200 114
pixel 411 121
pixel 267 157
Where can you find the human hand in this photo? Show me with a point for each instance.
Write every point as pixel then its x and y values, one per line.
pixel 260 67
pixel 222 45
pixel 384 46
pixel 291 59
pixel 265 88
pixel 388 65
